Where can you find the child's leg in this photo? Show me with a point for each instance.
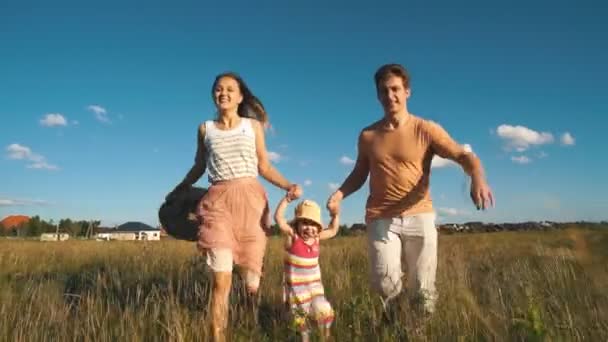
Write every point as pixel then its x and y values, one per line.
pixel 305 336
pixel 299 315
pixel 323 314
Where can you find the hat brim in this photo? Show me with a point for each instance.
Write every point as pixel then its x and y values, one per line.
pixel 305 218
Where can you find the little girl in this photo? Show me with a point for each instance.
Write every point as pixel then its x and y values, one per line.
pixel 303 289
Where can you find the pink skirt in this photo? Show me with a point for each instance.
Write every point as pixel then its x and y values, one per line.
pixel 236 216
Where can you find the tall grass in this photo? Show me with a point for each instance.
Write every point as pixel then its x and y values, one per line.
pixel 498 286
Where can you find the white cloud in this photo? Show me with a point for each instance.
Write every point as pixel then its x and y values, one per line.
pixel 20 152
pixel 346 160
pixel 567 139
pixel 101 114
pixel 307 182
pixel 452 211
pixel 16 151
pixel 7 202
pixel 75 122
pixel 333 186
pixel 274 157
pixel 53 119
pixel 439 162
pixel 42 166
pixel 521 159
pixel 520 138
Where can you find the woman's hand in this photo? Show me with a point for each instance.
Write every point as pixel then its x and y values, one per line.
pixel 294 192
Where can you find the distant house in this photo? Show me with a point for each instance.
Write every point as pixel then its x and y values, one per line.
pixel 149 235
pixel 124 236
pixel 103 236
pixel 54 237
pixel 130 231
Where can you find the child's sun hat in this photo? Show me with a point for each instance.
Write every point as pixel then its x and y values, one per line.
pixel 308 210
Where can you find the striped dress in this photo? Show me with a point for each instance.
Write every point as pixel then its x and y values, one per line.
pixel 303 287
pixel 231 153
pixel 234 211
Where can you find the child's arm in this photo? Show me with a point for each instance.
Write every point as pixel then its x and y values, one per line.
pixel 279 218
pixel 332 230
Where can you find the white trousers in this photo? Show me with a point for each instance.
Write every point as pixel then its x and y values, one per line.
pixel 409 238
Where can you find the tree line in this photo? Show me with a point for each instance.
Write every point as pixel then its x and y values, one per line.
pixel 37 226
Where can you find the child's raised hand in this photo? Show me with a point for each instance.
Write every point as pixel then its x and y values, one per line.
pixel 279 216
pixel 288 231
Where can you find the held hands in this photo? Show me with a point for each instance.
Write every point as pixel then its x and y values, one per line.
pixel 481 194
pixel 333 203
pixel 294 192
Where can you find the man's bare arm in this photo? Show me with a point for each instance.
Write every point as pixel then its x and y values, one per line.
pixel 355 179
pixel 444 146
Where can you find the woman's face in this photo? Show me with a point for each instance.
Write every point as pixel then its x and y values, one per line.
pixel 227 94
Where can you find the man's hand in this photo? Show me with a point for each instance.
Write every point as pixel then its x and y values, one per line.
pixel 481 194
pixel 333 203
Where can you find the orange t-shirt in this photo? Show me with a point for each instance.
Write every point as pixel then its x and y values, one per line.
pixel 400 165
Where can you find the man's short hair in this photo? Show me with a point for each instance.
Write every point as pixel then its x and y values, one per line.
pixel 389 70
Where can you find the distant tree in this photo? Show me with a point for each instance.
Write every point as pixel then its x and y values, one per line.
pixel 82 228
pixel 343 230
pixel 274 230
pixel 70 227
pixel 33 227
pixel 86 228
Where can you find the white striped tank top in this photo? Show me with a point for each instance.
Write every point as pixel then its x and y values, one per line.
pixel 231 153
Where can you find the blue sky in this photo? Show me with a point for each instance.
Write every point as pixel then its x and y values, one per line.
pixel 100 102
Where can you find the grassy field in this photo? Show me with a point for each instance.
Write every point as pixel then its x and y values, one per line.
pixel 496 286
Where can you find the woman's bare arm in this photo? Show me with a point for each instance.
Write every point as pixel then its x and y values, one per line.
pixel 200 163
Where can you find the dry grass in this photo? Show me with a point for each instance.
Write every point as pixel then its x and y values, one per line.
pixel 498 286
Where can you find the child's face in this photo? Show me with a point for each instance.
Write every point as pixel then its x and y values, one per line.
pixel 307 229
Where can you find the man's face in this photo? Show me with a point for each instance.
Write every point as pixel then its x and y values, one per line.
pixel 392 94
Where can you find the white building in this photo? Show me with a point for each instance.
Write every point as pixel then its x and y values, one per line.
pixel 103 236
pixel 148 235
pixel 143 235
pixel 54 237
